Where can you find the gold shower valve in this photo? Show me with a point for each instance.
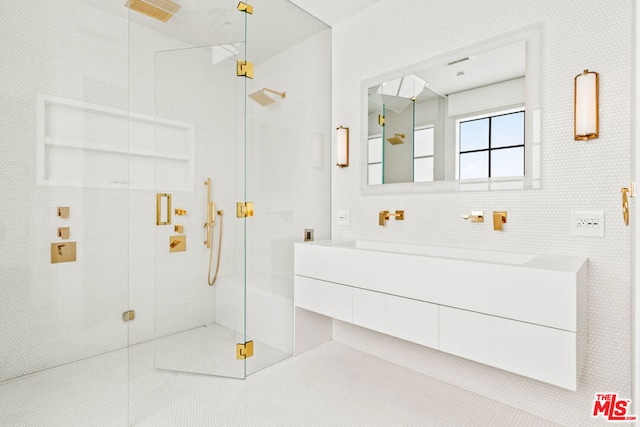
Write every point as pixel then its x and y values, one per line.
pixel 63 212
pixel 63 232
pixel 177 243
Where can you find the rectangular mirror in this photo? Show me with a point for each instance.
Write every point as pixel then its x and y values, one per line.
pixel 465 120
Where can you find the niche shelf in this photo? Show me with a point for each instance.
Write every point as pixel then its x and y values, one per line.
pixel 87 145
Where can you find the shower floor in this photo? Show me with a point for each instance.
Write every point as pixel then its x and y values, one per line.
pixel 330 385
pixel 211 349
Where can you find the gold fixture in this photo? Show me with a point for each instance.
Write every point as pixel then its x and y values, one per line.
pixel 476 216
pixel 162 10
pixel 244 209
pixel 63 252
pixel 128 315
pixel 385 215
pixel 585 106
pixel 178 228
pixel 163 198
pixel 177 243
pixel 209 225
pixel 631 192
pixel 244 351
pixel 246 8
pixel 499 218
pixel 396 139
pixel 244 69
pixel 263 99
pixel 63 212
pixel 342 146
pixel 380 119
pixel 63 232
pixel 180 212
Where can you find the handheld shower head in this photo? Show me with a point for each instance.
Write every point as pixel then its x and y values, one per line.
pixel 263 99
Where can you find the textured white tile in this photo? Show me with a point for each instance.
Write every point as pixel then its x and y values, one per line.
pixel 330 385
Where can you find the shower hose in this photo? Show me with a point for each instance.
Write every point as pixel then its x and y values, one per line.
pixel 211 230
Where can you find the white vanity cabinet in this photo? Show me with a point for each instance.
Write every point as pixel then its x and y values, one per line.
pixel 526 314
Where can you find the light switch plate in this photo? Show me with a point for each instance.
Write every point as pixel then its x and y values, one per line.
pixel 344 217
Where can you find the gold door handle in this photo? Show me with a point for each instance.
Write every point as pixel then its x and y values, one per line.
pixel 626 193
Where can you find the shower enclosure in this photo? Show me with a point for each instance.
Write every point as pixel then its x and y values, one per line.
pixel 111 113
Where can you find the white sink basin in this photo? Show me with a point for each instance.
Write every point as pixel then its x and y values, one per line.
pixel 441 252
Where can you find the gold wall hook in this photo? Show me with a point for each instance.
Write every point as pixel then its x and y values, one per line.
pixel 627 192
pixel 625 205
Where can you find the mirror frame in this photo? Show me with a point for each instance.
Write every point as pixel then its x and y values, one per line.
pixel 532 35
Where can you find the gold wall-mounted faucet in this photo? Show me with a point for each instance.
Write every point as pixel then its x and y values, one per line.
pixel 385 215
pixel 476 216
pixel 499 218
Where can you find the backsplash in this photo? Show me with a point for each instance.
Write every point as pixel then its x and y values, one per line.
pixel 575 176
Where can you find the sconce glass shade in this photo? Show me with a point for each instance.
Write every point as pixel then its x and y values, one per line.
pixel 585 122
pixel 342 146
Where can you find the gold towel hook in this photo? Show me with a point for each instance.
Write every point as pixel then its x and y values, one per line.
pixel 626 193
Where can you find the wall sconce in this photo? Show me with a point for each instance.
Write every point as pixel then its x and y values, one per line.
pixel 342 146
pixel 585 107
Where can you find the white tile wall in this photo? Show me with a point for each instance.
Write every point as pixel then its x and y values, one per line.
pixel 392 34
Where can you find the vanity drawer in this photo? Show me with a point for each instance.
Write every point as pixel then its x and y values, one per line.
pixel 405 318
pixel 329 299
pixel 538 352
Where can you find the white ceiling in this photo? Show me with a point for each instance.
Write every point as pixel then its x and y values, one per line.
pixel 333 11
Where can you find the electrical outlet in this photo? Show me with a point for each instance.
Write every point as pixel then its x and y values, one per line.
pixel 344 217
pixel 587 223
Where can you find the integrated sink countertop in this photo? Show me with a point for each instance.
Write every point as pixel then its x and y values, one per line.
pixel 525 313
pixel 536 286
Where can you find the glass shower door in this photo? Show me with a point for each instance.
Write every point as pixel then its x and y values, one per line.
pixel 200 301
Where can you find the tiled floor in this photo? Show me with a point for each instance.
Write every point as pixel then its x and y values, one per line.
pixel 332 385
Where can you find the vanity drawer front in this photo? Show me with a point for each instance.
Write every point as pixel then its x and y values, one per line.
pixel 405 318
pixel 329 299
pixel 538 352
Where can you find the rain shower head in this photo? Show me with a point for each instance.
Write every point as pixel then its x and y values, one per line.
pixel 396 139
pixel 162 10
pixel 263 99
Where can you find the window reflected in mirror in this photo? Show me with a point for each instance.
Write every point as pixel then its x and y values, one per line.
pixel 491 146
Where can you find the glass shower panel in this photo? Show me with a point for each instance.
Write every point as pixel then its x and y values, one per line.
pixel 199 147
pixel 64 187
pixel 287 172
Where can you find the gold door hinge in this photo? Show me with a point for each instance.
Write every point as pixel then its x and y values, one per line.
pixel 244 351
pixel 380 119
pixel 246 8
pixel 244 209
pixel 128 315
pixel 244 68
